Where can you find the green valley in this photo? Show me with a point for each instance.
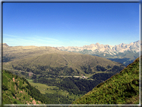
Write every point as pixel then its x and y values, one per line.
pixel 61 76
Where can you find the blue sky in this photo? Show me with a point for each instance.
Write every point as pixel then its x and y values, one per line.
pixel 70 24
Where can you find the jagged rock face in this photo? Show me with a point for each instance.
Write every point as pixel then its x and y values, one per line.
pixel 134 46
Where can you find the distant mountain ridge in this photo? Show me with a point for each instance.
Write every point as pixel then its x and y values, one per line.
pixel 95 48
pixel 106 49
pixel 122 53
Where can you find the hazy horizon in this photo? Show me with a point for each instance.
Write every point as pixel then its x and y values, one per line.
pixel 67 46
pixel 70 24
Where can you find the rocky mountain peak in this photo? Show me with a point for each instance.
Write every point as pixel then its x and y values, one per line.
pixel 97 43
pixel 133 46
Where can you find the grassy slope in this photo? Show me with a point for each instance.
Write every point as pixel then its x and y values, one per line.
pixel 55 93
pixel 122 88
pixel 43 88
pixel 70 60
pixel 16 90
pixel 18 52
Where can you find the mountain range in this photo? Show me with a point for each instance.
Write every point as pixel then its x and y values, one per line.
pixel 122 53
pixel 67 75
pixel 106 49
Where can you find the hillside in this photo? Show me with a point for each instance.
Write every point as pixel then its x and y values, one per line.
pixel 18 52
pixel 38 59
pixel 65 76
pixel 64 64
pixel 17 90
pixel 122 88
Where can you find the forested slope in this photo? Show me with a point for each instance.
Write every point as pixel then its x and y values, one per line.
pixel 17 90
pixel 122 88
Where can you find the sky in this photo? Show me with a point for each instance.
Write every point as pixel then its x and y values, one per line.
pixel 70 24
